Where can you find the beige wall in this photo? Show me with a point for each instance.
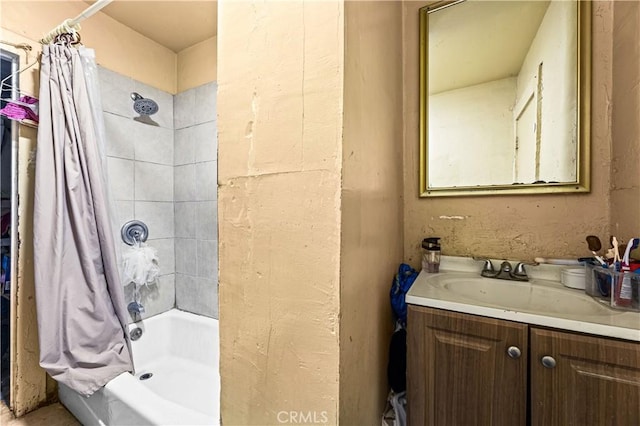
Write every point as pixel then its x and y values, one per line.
pixel 511 227
pixel 280 141
pixel 118 47
pixel 625 188
pixel 371 204
pixel 197 64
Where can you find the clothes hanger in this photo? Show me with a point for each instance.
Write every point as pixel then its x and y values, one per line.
pixel 6 86
pixel 67 37
pixel 21 95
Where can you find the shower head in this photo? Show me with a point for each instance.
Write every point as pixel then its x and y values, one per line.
pixel 143 106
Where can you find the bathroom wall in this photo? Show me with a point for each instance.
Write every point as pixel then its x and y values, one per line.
pixel 140 168
pixel 167 179
pixel 195 191
pixel 512 227
pixel 625 185
pixel 197 64
pixel 118 47
pixel 280 106
pixel 371 242
pixel 310 215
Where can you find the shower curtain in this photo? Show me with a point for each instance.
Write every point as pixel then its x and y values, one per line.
pixel 81 313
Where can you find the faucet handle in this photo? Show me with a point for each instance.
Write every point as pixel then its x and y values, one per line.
pixel 520 267
pixel 488 266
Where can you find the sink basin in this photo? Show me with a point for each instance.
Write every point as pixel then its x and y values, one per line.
pixel 532 296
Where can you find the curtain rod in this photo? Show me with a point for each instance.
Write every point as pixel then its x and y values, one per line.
pixel 70 25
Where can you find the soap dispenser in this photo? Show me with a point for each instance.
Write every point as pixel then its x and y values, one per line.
pixel 431 255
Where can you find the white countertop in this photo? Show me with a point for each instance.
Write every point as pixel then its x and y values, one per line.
pixel 589 317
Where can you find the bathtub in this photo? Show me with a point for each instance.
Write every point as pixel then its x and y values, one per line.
pixel 180 350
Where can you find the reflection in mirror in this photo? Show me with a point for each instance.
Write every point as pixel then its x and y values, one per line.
pixel 502 98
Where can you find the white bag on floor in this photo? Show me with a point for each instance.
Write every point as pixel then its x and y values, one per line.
pixel 395 414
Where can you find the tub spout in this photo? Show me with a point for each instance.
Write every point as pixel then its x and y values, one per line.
pixel 135 309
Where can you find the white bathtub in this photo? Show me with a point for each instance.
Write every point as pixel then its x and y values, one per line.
pixel 181 350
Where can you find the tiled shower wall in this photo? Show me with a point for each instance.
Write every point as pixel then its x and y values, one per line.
pixel 195 194
pixel 140 169
pixel 156 171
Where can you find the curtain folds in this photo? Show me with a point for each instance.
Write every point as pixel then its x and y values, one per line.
pixel 82 317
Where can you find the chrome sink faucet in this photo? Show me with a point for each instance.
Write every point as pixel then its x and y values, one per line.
pixel 506 271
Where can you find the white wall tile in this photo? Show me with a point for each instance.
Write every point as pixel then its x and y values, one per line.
pixel 207 220
pixel 158 217
pixel 186 292
pixel 156 298
pixel 115 92
pixel 154 182
pixel 166 254
pixel 184 151
pixel 185 219
pixel 186 256
pixel 166 202
pixel 198 295
pixel 207 181
pixel 205 103
pixel 153 144
pixel 121 178
pixel 185 183
pixel 124 212
pixel 118 132
pixel 184 108
pixel 208 259
pixel 206 142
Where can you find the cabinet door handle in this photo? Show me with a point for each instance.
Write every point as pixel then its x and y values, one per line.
pixel 514 352
pixel 548 361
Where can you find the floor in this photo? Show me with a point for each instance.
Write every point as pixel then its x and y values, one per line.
pixel 51 415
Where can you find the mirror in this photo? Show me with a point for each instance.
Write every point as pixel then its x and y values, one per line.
pixel 504 97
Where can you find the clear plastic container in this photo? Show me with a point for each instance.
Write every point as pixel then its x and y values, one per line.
pixel 616 289
pixel 431 255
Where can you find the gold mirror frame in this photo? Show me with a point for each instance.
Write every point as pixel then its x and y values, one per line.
pixel 583 172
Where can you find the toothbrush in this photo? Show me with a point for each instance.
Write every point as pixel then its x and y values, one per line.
pixel 625 287
pixel 631 245
pixel 616 254
pixel 624 294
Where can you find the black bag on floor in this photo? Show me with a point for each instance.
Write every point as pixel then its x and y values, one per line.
pixel 397 367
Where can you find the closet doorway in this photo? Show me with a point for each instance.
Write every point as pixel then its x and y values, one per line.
pixel 8 220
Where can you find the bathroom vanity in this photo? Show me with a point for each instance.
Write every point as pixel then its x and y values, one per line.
pixel 497 352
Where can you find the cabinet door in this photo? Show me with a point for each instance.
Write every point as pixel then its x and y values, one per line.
pixel 459 370
pixel 595 381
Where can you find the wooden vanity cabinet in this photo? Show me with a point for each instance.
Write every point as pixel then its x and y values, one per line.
pixel 586 381
pixel 460 371
pixel 463 370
